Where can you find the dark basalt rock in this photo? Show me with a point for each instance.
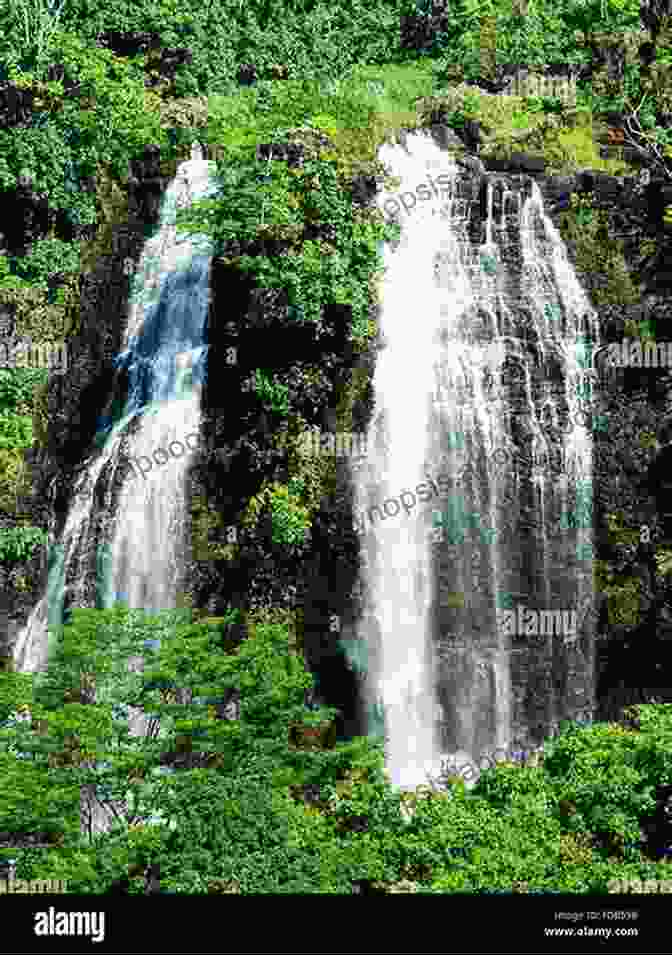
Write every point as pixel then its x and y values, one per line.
pixel 146 186
pixel 419 31
pixel 247 74
pixel 16 106
pixel 558 189
pixel 165 61
pixel 292 153
pixel 128 43
pixel 496 83
pixel 470 133
pixel 517 163
pixel 27 218
pixel 445 137
pixel 652 14
pixel 607 188
pixel 364 189
pixel 166 64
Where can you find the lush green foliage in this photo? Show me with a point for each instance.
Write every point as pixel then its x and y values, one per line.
pixel 27 30
pixel 266 199
pixel 47 257
pixel 546 34
pixel 17 386
pixel 610 775
pixel 236 828
pixel 18 544
pixel 16 431
pixel 271 393
pixel 571 825
pixel 306 38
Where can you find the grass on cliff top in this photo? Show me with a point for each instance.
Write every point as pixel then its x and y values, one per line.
pixel 357 112
pixel 369 104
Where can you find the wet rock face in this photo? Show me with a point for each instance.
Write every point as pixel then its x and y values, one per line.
pixel 517 163
pixel 146 187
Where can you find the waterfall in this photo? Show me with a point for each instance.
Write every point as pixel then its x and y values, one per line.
pixel 474 503
pixel 479 449
pixel 125 525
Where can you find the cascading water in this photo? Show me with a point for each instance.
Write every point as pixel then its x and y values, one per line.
pixel 479 371
pixel 478 376
pixel 125 524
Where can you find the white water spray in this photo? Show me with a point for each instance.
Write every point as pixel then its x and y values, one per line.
pixel 139 528
pixel 469 323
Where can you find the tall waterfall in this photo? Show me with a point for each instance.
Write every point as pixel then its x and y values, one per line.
pixel 476 577
pixel 125 524
pixel 474 505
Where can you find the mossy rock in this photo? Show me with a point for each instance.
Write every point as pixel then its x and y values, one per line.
pixel 204 520
pixel 41 415
pixel 401 886
pixel 576 849
pixel 574 145
pixel 219 887
pixel 597 257
pixel 112 202
pixel 14 478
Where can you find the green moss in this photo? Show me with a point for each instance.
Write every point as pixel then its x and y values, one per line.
pixel 623 594
pixel 204 521
pixel 568 149
pixel 13 478
pixel 34 316
pixel 290 518
pixel 598 258
pixel 112 203
pixel 515 123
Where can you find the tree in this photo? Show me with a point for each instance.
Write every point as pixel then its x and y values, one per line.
pixel 143 728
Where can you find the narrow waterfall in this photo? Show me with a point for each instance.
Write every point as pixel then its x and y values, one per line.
pixel 475 504
pixel 125 524
pixel 398 552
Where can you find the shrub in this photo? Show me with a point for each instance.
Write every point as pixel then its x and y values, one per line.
pixel 13 482
pixel 47 258
pixel 16 431
pixel 608 777
pixel 273 394
pixel 28 29
pixel 17 387
pixel 18 544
